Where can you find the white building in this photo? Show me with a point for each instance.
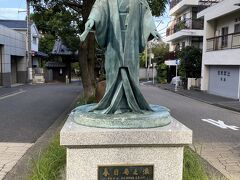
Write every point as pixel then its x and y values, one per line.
pixel 13 63
pixel 184 29
pixel 21 27
pixel 221 49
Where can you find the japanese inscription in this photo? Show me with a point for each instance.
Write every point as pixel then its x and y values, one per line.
pixel 127 172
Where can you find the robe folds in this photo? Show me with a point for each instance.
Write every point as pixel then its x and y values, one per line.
pixel 122 60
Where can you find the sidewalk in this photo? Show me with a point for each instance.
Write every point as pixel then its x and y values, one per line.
pixel 225 157
pixel 219 101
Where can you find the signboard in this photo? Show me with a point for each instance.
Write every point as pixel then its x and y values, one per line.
pixel 172 62
pixel 126 172
pixel 177 62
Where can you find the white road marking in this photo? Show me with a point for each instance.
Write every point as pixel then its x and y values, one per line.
pixel 221 124
pixel 11 95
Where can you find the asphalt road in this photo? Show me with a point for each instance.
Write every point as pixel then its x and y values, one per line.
pixel 191 112
pixel 28 111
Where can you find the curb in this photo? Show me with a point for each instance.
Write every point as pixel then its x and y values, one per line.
pixel 207 102
pixel 24 164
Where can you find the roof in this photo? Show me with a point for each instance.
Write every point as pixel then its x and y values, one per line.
pixel 51 64
pixel 60 49
pixel 39 54
pixel 14 24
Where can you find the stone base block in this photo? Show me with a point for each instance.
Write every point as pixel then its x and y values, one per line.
pixel 90 148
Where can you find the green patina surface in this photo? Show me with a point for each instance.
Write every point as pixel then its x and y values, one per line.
pixel 122 28
pixel 159 117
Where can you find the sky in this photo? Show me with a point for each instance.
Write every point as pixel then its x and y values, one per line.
pixel 9 9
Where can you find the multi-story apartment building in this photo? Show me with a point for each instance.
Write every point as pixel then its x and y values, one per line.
pixel 221 49
pixel 184 29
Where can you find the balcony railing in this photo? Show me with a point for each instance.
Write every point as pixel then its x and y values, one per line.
pixel 229 41
pixel 186 24
pixel 203 4
pixel 174 3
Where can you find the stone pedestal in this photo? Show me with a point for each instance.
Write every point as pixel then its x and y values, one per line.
pixel 90 148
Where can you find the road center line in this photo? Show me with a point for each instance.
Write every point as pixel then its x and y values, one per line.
pixel 11 95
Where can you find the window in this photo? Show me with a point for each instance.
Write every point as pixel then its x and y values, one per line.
pixel 34 40
pixel 224 36
pixel 183 44
pixel 237 28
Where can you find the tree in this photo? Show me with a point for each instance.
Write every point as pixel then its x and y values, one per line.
pixel 66 19
pixel 160 52
pixel 191 62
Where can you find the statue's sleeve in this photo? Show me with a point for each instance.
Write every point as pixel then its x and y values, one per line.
pixel 99 14
pixel 148 25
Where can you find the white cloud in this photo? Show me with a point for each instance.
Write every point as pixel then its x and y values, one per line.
pixel 12 13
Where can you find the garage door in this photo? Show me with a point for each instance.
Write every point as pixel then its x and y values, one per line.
pixel 224 81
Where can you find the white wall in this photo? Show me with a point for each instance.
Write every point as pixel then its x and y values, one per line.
pixel 213 28
pixel 143 73
pixel 182 5
pixel 34 32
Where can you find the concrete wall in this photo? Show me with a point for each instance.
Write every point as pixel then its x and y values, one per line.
pixel 143 73
pixel 13 44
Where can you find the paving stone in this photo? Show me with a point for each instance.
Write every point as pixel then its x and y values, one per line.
pixel 233 168
pixel 10 153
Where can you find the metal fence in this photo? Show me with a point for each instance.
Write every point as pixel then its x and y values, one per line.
pixel 230 41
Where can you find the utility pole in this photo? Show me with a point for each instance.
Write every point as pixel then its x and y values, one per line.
pixel 149 62
pixel 29 40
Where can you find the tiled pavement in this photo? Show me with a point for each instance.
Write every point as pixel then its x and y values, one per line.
pixel 225 157
pixel 10 153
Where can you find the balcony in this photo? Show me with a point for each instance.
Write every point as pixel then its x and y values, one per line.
pixel 203 4
pixel 178 6
pixel 185 24
pixel 174 3
pixel 229 41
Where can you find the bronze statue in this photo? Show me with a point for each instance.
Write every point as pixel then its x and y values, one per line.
pixel 122 29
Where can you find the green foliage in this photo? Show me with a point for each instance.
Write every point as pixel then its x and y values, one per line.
pixel 46 43
pixel 50 162
pixel 193 166
pixel 157 6
pixel 162 72
pixel 160 51
pixel 191 62
pixel 143 59
pixel 63 18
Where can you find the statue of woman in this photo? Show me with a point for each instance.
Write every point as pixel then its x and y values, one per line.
pixel 122 29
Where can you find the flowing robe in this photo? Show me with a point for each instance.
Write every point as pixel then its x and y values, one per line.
pixel 122 53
